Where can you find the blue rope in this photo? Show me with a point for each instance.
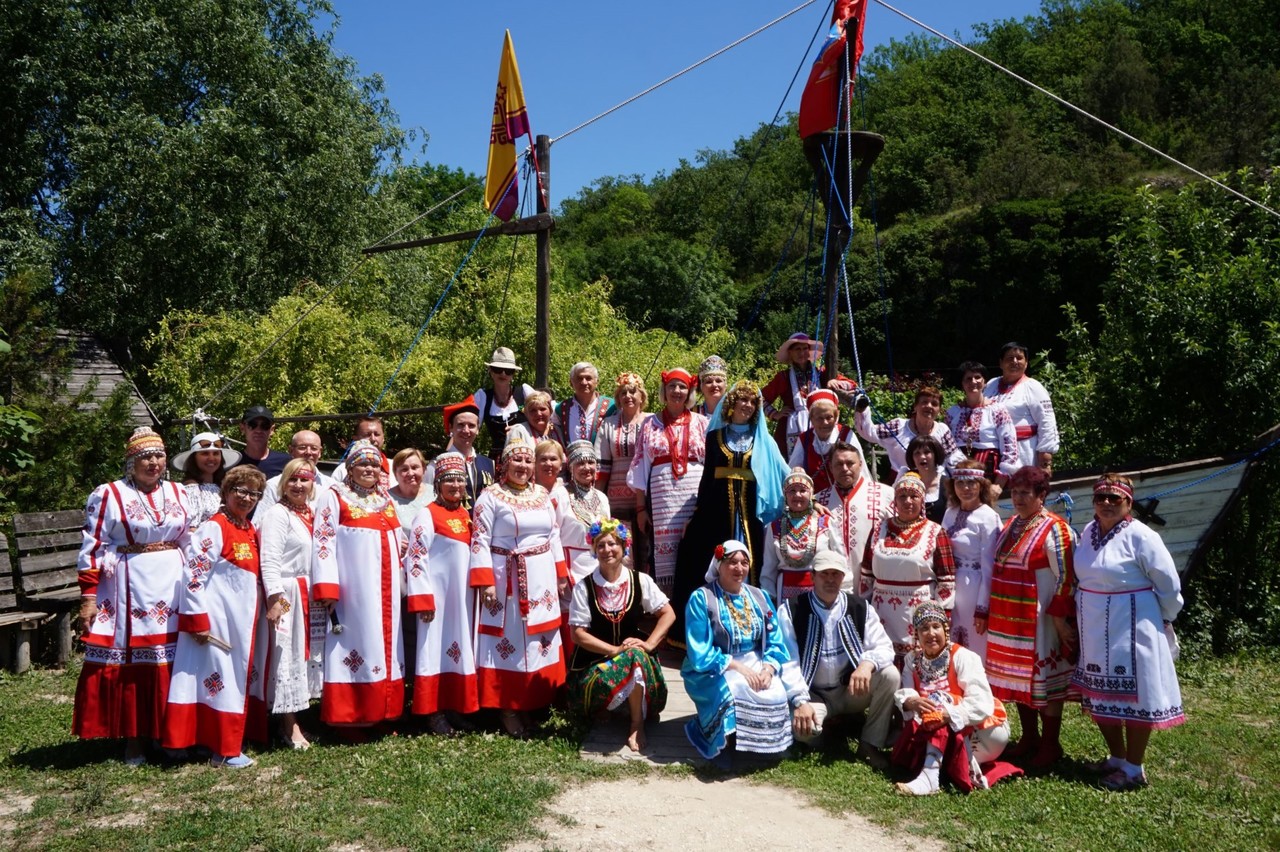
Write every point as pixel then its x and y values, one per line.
pixel 742 184
pixel 875 226
pixel 423 328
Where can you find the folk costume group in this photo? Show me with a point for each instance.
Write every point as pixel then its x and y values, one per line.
pixel 810 601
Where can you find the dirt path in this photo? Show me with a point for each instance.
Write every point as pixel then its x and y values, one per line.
pixel 693 815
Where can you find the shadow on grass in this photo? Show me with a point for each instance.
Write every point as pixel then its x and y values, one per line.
pixel 73 754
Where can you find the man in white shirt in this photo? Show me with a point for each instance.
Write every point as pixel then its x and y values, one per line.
pixel 844 656
pixel 856 502
pixel 305 444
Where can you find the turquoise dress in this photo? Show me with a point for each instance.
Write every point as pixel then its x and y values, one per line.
pixel 721 628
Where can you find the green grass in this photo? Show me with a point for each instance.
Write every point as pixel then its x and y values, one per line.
pixel 1215 784
pixel 477 792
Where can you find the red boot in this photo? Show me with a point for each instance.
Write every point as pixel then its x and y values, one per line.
pixel 1050 751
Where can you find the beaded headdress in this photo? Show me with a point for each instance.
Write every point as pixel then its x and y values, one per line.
pixel 714 365
pixel 516 442
pixel 928 611
pixel 450 466
pixel 628 380
pixel 363 450
pixel 797 474
pixel 910 481
pixel 968 473
pixel 143 442
pixel 580 450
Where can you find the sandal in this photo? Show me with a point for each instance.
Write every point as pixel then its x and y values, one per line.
pixel 1105 766
pixel 1122 782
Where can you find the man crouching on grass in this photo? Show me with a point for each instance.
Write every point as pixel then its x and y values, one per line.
pixel 846 659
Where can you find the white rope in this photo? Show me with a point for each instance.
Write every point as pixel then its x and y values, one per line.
pixel 1083 112
pixel 684 71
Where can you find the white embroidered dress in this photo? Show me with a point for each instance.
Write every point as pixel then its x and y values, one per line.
pixel 1034 422
pixel 293 678
pixel 973 543
pixel 516 548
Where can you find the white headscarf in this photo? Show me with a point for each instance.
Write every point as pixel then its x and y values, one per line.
pixel 727 549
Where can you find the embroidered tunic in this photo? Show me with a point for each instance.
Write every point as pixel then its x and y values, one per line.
pixel 789 547
pixel 131 562
pixel 811 453
pixel 618 445
pixel 1034 422
pixel 437 565
pixel 515 547
pixel 670 495
pixel 216 694
pixel 576 515
pixel 895 435
pixel 973 542
pixel 205 499
pixel 294 676
pixel 986 433
pixel 854 515
pixel 356 564
pixel 1032 579
pixel 902 567
pixel 724 628
pixel 1128 589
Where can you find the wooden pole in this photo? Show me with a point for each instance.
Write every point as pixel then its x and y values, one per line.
pixel 542 355
pixel 834 260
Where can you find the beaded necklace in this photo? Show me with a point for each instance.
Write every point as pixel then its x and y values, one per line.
pixel 931 671
pixel 1097 539
pixel 740 614
pixel 153 512
pixel 799 544
pixel 624 438
pixel 585 503
pixel 613 603
pixel 305 514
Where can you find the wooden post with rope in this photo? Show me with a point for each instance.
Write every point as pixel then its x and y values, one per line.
pixel 542 345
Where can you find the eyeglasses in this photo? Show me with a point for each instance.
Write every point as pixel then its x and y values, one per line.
pixel 245 493
pixel 502 371
pixel 1108 498
pixel 260 425
pixel 210 445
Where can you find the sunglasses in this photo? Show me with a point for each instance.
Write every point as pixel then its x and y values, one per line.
pixel 209 445
pixel 260 424
pixel 1108 498
pixel 245 493
pixel 502 371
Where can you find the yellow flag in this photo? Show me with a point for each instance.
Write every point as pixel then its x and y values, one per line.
pixel 510 122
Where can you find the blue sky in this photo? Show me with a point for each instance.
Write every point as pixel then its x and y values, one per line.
pixel 439 62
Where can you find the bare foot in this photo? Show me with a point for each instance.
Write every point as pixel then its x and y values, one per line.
pixel 636 740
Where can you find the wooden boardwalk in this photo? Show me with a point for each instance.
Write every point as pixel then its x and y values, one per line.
pixel 607 741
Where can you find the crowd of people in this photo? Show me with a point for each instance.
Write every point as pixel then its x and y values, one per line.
pixel 740 527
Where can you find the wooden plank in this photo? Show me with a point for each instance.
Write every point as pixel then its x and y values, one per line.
pixel 45 541
pixel 40 563
pixel 528 225
pixel 38 522
pixel 45 581
pixel 57 596
pixel 28 620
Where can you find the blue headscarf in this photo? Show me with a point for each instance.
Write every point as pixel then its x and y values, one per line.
pixel 767 464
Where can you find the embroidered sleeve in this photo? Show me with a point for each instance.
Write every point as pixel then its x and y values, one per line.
pixel 1041 409
pixel 638 473
pixel 1058 550
pixel 978 702
pixel 481 568
pixel 324 539
pixel 204 549
pixel 421 595
pixel 868 578
pixel 1006 439
pixel 950 451
pixel 95 549
pixel 1155 562
pixel 989 530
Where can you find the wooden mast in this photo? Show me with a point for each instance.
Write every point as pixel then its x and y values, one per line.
pixel 542 351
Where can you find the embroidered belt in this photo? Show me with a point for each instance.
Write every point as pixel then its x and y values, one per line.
pixel 520 574
pixel 1121 592
pixel 154 547
pixel 906 584
pixel 743 473
pixel 1025 432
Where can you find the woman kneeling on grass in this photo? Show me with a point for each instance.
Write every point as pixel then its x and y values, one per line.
pixel 951 721
pixel 613 662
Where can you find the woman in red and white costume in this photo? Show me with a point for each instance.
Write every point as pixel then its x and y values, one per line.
pixel 356 573
pixel 666 471
pixel 130 573
pixel 216 694
pixel 437 565
pixel 814 447
pixel 1029 406
pixel 518 567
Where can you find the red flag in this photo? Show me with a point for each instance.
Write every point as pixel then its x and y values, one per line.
pixel 820 102
pixel 510 122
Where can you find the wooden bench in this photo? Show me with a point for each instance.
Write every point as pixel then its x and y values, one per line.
pixel 15 654
pixel 48 551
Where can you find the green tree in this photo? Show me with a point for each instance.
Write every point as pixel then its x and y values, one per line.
pixel 182 154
